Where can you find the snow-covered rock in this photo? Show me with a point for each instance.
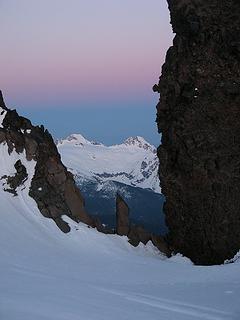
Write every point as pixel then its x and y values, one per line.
pixel 2 116
pixel 134 162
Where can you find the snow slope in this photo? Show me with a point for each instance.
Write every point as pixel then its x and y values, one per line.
pixel 85 275
pixel 133 162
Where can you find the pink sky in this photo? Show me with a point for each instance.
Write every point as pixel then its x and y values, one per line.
pixel 74 51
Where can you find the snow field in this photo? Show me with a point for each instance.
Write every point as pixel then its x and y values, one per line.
pixel 86 275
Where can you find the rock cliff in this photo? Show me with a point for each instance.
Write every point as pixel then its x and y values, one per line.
pixel 199 118
pixel 52 187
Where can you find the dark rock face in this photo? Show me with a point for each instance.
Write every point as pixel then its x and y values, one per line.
pixel 122 217
pixel 53 187
pixel 199 118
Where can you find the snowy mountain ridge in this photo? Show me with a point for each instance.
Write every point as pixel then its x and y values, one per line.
pixel 133 162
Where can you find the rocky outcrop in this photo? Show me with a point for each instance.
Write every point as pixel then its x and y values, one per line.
pixel 122 217
pixel 135 234
pixel 199 118
pixel 13 182
pixel 52 187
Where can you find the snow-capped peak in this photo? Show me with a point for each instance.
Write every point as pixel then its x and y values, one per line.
pixel 76 139
pixel 134 162
pixel 139 142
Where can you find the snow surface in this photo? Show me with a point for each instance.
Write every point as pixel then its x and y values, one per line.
pixel 134 162
pixel 86 275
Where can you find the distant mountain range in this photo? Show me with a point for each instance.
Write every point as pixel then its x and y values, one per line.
pixel 130 168
pixel 134 162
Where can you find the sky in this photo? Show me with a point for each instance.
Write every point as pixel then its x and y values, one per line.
pixel 85 66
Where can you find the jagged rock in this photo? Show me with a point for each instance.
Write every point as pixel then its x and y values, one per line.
pixel 133 238
pixel 161 244
pixel 122 217
pixel 13 182
pixel 199 118
pixel 52 187
pixel 102 228
pixel 155 88
pixel 136 234
pixel 62 225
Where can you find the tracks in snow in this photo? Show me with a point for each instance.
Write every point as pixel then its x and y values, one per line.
pixel 195 312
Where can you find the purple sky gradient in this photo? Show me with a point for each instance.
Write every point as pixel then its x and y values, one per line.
pixel 79 54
